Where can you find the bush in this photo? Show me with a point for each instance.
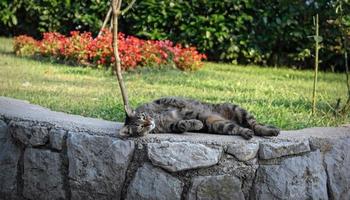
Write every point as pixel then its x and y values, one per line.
pixel 76 47
pixel 25 45
pixel 83 49
pixel 51 44
pixel 271 32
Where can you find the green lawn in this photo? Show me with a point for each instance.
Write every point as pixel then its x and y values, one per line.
pixel 276 96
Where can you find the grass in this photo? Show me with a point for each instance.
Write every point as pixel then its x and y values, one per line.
pixel 281 97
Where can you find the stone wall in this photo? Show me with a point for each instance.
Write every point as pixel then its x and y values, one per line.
pixel 52 155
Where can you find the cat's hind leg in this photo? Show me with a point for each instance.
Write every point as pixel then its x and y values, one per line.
pixel 186 125
pixel 232 128
pixel 218 125
pixel 245 119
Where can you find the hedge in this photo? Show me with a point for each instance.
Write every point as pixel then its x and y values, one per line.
pixel 271 32
pixel 84 50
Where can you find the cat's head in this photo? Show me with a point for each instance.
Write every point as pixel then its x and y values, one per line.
pixel 136 124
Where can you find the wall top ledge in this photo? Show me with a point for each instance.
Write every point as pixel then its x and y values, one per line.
pixel 13 109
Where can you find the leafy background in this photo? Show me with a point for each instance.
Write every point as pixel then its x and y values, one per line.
pixel 270 32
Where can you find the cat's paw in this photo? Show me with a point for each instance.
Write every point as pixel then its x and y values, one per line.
pixel 272 131
pixel 190 125
pixel 196 125
pixel 268 131
pixel 247 134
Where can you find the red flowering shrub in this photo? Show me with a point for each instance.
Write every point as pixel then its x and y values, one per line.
pixel 100 50
pixel 81 48
pixel 188 58
pixel 130 51
pixel 25 46
pixel 74 48
pixel 51 44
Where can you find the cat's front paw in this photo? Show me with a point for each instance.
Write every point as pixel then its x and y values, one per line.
pixel 196 125
pixel 267 131
pixel 273 131
pixel 190 125
pixel 247 134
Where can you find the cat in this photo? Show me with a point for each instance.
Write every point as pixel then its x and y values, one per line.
pixel 179 115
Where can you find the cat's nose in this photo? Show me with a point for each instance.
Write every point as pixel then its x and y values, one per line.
pixel 148 123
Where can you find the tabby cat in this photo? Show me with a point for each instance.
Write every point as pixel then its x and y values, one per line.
pixel 178 115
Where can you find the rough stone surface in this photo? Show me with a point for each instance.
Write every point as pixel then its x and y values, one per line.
pixel 322 144
pixel 245 171
pixel 14 108
pixel 97 165
pixel 57 138
pixel 243 151
pixel 9 156
pixel 337 162
pixel 302 177
pixel 3 132
pixel 275 149
pixel 29 136
pixel 178 156
pixel 42 175
pixel 154 183
pixel 216 188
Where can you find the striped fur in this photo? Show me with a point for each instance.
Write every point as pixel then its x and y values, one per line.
pixel 178 115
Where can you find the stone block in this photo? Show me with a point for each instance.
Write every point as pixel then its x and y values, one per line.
pixel 9 156
pixel 28 135
pixel 216 188
pixel 337 162
pixel 276 149
pixel 56 137
pixel 178 156
pixel 154 183
pixel 299 178
pixel 243 151
pixel 97 165
pixel 42 175
pixel 3 132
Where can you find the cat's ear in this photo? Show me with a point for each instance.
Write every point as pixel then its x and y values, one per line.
pixel 124 132
pixel 129 112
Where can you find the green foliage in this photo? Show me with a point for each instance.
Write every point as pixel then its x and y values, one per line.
pixel 216 27
pixel 271 32
pixel 8 9
pixel 37 16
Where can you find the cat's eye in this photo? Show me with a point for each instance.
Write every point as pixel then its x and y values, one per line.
pixel 140 128
pixel 143 116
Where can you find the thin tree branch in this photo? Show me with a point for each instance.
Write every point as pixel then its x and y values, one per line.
pixel 111 25
pixel 119 6
pixel 107 18
pixel 347 104
pixel 128 7
pixel 346 65
pixel 316 66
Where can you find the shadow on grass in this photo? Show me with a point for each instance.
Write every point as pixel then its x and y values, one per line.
pixel 7 53
pixel 50 60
